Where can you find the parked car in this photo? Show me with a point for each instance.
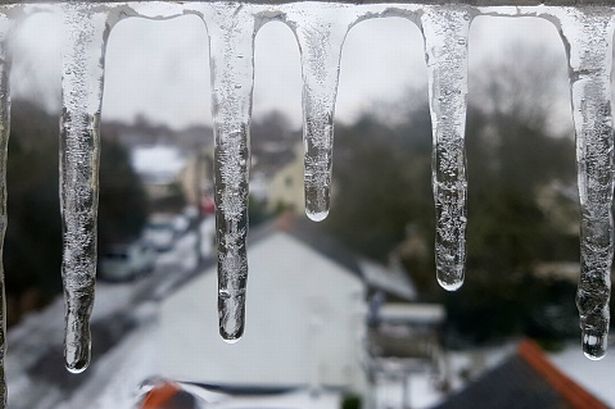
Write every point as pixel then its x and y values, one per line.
pixel 125 262
pixel 192 213
pixel 160 233
pixel 181 224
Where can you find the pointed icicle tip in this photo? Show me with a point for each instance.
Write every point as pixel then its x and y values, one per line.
pixel 317 216
pixel 452 285
pixel 230 332
pixel 77 359
pixel 231 315
pixel 230 339
pixel 77 367
pixel 594 345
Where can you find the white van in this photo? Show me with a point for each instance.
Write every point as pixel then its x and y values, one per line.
pixel 126 261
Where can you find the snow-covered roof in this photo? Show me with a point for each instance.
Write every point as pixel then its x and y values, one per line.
pixel 375 275
pixel 158 163
pixel 389 280
pixel 171 392
pixel 305 317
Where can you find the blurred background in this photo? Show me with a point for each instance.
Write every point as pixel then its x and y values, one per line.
pixel 342 314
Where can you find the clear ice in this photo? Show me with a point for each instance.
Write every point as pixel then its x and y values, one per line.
pixel 82 86
pixel 445 31
pixel 231 30
pixel 320 33
pixel 320 29
pixel 5 120
pixel 589 35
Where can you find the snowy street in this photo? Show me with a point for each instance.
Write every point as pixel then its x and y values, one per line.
pixel 36 375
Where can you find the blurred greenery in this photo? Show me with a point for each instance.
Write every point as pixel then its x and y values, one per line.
pixel 34 233
pixel 351 402
pixel 257 211
pixel 123 203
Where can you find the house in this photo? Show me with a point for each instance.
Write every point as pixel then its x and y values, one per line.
pixel 306 316
pixel 406 349
pixel 306 337
pixel 159 167
pixel 526 379
pixel 285 189
pixel 196 177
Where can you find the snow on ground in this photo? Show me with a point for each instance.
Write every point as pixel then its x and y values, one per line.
pixel 422 391
pixel 595 376
pixel 40 333
pixel 108 389
pixel 301 399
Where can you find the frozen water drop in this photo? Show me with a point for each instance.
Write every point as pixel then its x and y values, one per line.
pixel 450 284
pixel 317 216
pixel 594 346
pixel 77 367
pixel 231 341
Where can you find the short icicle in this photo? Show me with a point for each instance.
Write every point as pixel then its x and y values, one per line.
pixel 445 30
pixel 231 34
pixel 5 115
pixel 589 35
pixel 82 86
pixel 321 35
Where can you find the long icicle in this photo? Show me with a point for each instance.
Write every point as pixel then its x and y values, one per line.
pixel 231 32
pixel 589 35
pixel 82 85
pixel 445 30
pixel 5 120
pixel 320 38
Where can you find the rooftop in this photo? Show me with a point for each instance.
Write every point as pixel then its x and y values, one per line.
pixel 527 379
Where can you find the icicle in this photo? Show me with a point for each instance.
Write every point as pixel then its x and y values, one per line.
pixel 589 35
pixel 82 85
pixel 321 35
pixel 446 49
pixel 5 115
pixel 231 31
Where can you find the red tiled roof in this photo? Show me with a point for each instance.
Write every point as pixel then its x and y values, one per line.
pixel 569 390
pixel 160 396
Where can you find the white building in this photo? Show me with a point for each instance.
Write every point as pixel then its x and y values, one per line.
pixel 305 324
pixel 306 329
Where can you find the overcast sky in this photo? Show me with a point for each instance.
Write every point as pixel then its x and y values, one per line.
pixel 160 68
